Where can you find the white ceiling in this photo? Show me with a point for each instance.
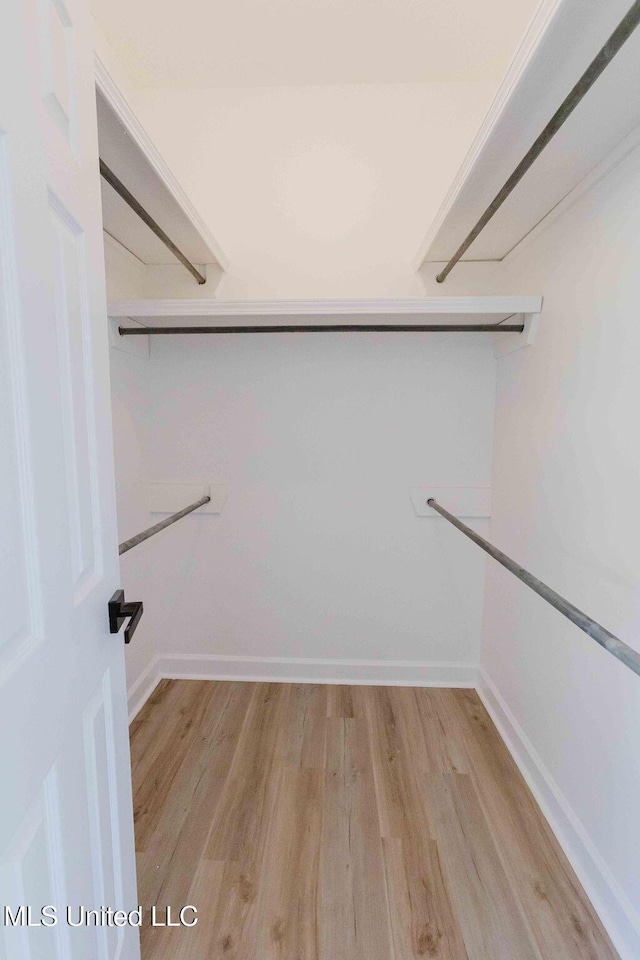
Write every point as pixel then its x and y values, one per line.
pixel 245 43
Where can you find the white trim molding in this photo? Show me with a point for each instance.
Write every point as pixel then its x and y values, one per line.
pixel 405 673
pixel 112 93
pixel 617 914
pixel 394 673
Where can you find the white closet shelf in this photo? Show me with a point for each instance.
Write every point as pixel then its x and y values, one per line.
pixel 128 151
pixel 561 42
pixel 441 310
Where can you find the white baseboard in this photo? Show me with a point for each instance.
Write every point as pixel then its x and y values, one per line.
pixel 141 690
pixel 399 673
pixel 411 673
pixel 612 906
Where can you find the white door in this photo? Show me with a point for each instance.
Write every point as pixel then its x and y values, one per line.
pixel 66 833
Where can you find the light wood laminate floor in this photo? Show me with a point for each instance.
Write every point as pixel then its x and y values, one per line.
pixel 311 822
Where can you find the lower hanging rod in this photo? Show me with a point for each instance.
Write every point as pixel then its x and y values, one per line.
pixel 329 328
pixel 162 525
pixel 621 650
pixel 137 207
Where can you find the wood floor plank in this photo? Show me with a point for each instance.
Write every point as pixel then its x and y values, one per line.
pixel 235 918
pixel 226 898
pixel 399 762
pixel 423 922
pixel 353 909
pixel 303 732
pixel 286 917
pixel 345 701
pixel 239 826
pixel 197 943
pixel 157 725
pixel 438 715
pixel 488 912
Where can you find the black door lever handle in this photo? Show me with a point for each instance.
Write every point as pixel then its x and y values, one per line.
pixel 119 611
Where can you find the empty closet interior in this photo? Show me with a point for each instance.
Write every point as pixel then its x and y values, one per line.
pixel 503 386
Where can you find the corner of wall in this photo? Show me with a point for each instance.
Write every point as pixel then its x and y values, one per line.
pixel 142 688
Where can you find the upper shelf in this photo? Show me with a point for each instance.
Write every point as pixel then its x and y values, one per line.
pixel 128 152
pixel 444 310
pixel 561 42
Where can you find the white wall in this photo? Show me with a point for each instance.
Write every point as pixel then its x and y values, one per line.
pixel 318 553
pixel 566 478
pixel 317 191
pixel 124 272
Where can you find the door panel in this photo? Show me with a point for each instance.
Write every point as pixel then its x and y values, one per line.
pixel 35 873
pixel 66 832
pixel 73 322
pixel 57 63
pixel 22 626
pixel 104 812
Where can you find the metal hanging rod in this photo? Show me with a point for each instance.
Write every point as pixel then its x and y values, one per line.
pixel 330 328
pixel 619 36
pixel 157 527
pixel 137 207
pixel 619 649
